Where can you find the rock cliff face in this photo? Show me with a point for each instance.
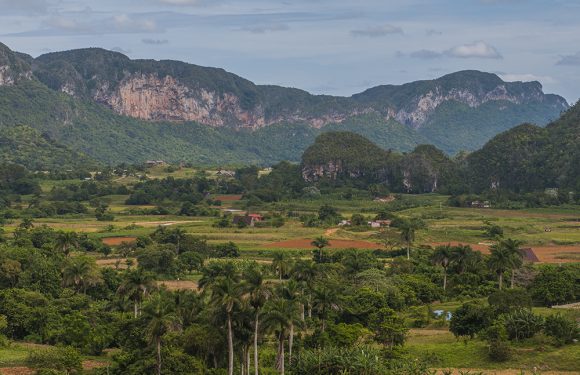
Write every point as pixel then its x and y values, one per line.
pixel 149 97
pixel 12 68
pixel 174 91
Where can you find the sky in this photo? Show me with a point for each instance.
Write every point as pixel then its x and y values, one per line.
pixel 335 47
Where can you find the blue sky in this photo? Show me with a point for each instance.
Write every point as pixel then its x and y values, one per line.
pixel 334 47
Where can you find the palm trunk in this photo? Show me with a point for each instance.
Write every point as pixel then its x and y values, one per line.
pixel 444 279
pixel 302 311
pixel 158 355
pixel 256 330
pixel 136 309
pixel 290 342
pixel 512 280
pixel 230 347
pixel 408 250
pixel 248 357
pixel 282 353
pixel 321 254
pixel 500 280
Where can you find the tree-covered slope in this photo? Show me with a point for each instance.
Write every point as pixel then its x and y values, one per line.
pixel 25 146
pixel 529 158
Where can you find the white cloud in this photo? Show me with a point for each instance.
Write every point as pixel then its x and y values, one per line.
pixel 377 31
pixel 526 77
pixel 479 49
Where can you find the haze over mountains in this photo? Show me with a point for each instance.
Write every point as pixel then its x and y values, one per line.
pixel 115 109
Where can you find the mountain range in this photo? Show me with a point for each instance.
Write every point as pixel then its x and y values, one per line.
pixel 114 109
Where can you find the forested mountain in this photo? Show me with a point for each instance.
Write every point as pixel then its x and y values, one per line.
pixel 115 109
pixel 531 158
pixel 526 158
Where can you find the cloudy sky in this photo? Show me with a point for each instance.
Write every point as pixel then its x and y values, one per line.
pixel 324 46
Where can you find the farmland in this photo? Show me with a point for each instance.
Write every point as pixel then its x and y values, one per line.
pixel 553 234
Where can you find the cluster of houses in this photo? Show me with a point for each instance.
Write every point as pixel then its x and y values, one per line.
pixel 249 220
pixel 154 163
pixel 225 173
pixel 480 204
pixel 372 224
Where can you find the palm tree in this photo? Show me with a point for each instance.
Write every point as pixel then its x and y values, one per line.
pixel 461 257
pixel 258 294
pixel 501 260
pixel 442 257
pixel 513 246
pixel 281 263
pixel 320 243
pixel 160 313
pixel 214 271
pixel 136 285
pixel 292 291
pixel 179 235
pixel 304 271
pixel 81 272
pixel 325 300
pixel 407 229
pixel 226 294
pixel 280 316
pixel 65 241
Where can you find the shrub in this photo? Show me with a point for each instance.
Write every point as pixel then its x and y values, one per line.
pixel 65 359
pixel 503 301
pixel 522 324
pixel 563 330
pixel 469 320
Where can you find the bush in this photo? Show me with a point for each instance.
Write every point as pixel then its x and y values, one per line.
pixel 563 330
pixel 65 359
pixel 522 324
pixel 469 320
pixel 499 351
pixel 506 300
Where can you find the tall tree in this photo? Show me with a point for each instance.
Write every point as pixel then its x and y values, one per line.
pixel 280 315
pixel 136 286
pixel 407 229
pixel 81 272
pixel 227 294
pixel 320 243
pixel 501 261
pixel 160 314
pixel 442 257
pixel 305 271
pixel 65 242
pixel 258 294
pixel 325 300
pixel 513 246
pixel 281 263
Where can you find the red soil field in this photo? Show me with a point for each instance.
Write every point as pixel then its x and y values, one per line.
pixel 116 241
pixel 334 244
pixel 226 198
